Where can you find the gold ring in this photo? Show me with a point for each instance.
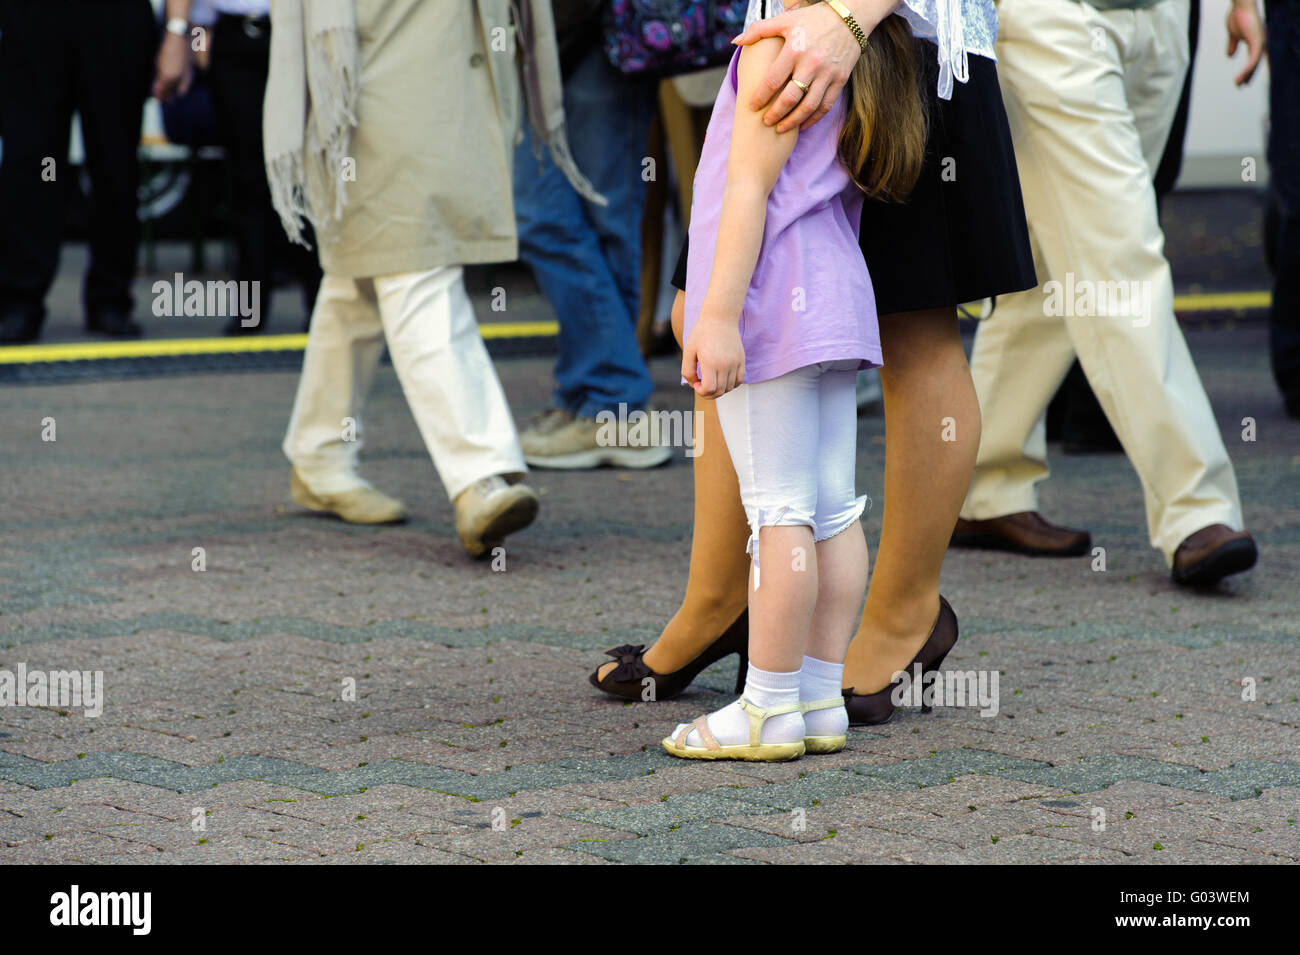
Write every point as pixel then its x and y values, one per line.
pixel 802 86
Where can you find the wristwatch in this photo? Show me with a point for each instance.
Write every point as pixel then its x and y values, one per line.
pixel 178 26
pixel 851 23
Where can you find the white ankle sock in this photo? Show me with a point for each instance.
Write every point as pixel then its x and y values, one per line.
pixel 763 688
pixel 821 680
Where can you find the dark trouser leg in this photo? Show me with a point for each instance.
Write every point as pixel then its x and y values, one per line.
pixel 1284 170
pixel 115 43
pixel 238 83
pixel 35 117
pixel 240 60
pixel 1171 162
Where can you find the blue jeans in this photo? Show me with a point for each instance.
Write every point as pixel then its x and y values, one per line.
pixel 587 258
pixel 1284 174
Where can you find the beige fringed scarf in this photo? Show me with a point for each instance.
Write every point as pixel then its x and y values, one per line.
pixel 311 103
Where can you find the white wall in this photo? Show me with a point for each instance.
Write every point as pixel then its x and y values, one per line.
pixel 1227 122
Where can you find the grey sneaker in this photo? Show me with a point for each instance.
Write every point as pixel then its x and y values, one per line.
pixel 561 441
pixel 549 421
pixel 489 509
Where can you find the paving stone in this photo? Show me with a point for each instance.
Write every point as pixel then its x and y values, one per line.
pixel 241 850
pixel 665 781
pixel 827 819
pixel 1182 851
pixel 521 833
pixel 987 825
pixel 691 843
pixel 860 846
pixel 392 852
pixel 669 812
pixel 1031 849
pixel 550 857
pixel 224 689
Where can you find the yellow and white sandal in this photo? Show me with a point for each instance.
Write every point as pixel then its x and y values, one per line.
pixel 824 744
pixel 754 751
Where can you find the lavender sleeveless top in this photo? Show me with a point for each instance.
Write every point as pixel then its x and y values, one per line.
pixel 810 299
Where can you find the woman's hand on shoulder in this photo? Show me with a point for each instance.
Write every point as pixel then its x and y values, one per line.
pixel 820 51
pixel 715 346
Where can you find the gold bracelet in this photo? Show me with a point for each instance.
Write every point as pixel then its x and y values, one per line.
pixel 849 22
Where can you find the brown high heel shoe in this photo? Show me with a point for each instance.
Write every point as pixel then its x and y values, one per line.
pixel 871 709
pixel 627 680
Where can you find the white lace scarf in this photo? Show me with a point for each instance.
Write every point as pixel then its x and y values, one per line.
pixel 761 10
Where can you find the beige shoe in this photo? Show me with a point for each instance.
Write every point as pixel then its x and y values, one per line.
pixel 489 509
pixel 362 505
pixel 557 439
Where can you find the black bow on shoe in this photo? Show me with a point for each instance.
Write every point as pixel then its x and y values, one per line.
pixel 630 665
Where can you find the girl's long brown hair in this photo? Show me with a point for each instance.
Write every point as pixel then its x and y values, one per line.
pixel 882 141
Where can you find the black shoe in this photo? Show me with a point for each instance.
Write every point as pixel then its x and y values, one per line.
pixel 872 709
pixel 20 325
pixel 113 321
pixel 627 680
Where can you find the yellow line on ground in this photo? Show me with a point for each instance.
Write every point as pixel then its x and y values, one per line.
pixel 519 329
pixel 149 348
pixel 164 347
pixel 1221 301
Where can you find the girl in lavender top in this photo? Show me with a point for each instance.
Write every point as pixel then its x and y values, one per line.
pixel 779 317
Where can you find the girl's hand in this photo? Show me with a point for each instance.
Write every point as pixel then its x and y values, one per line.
pixel 820 50
pixel 714 344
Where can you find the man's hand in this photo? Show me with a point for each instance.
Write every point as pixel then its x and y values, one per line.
pixel 1244 26
pixel 820 51
pixel 715 345
pixel 175 69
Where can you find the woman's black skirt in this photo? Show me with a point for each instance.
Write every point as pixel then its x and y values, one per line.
pixel 961 235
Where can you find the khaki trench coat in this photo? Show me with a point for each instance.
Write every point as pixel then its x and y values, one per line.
pixel 438 118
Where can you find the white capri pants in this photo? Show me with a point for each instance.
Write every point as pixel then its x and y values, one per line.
pixel 793 442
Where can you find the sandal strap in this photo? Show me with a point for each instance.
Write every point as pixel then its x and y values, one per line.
pixel 680 739
pixel 758 715
pixel 701 725
pixel 822 704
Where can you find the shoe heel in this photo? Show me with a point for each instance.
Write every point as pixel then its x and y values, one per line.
pixel 933 668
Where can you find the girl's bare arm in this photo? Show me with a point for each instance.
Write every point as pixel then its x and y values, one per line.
pixel 755 159
pixel 757 155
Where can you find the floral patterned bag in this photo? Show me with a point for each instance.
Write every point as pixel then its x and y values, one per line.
pixel 668 37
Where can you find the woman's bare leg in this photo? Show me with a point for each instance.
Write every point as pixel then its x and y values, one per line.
pixel 718 585
pixel 932 433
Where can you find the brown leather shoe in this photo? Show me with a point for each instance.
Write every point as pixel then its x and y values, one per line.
pixel 1025 532
pixel 1211 554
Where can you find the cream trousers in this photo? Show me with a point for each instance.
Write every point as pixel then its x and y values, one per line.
pixel 442 364
pixel 1090 96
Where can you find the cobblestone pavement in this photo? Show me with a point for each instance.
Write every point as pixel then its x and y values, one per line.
pixel 225 735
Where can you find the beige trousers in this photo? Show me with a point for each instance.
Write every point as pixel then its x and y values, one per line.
pixel 1090 97
pixel 441 361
